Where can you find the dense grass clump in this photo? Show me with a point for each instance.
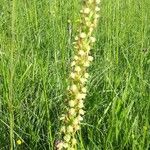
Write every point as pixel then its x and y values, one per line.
pixel 35 52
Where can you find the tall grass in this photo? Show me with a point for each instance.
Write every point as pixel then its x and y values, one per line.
pixel 33 72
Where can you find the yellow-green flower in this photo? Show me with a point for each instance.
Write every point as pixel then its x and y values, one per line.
pixel 19 142
pixel 78 78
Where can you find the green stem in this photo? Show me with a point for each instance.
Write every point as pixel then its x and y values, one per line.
pixel 11 109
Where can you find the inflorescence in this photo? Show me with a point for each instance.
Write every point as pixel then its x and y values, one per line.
pixel 78 77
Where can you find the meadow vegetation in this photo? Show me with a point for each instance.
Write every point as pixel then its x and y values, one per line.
pixel 36 49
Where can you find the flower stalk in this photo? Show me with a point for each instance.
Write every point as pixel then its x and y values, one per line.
pixel 77 90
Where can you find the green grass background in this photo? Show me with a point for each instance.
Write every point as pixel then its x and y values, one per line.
pixel 35 53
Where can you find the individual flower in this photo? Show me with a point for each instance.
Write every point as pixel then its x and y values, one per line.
pixel 77 127
pixel 75 122
pixel 80 118
pixel 76 38
pixel 63 129
pixel 74 88
pixel 81 112
pixel 67 137
pixel 19 142
pixel 82 35
pixel 84 90
pixel 73 63
pixel 83 80
pixel 72 111
pixel 97 1
pixel 77 69
pixel 74 141
pixel 62 117
pixel 80 96
pixel 86 75
pixel 72 103
pixel 60 146
pixel 86 10
pixel 92 39
pixel 65 145
pixel 80 105
pixel 90 58
pixel 76 57
pixel 97 9
pixel 72 75
pixel 81 53
pixel 86 64
pixel 70 129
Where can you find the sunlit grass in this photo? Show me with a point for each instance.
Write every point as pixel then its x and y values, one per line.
pixel 118 101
